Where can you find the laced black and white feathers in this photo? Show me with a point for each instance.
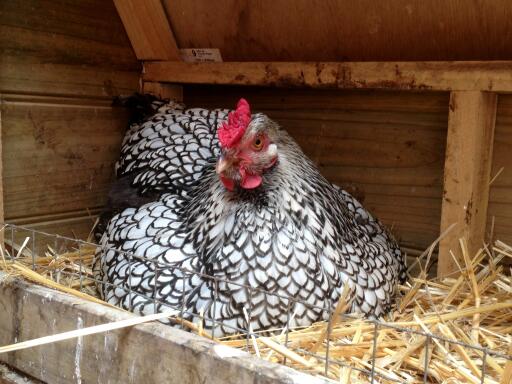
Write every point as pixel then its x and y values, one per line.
pixel 288 246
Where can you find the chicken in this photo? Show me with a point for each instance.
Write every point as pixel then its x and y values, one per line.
pixel 242 228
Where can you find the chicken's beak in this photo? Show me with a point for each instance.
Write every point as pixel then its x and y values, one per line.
pixel 222 165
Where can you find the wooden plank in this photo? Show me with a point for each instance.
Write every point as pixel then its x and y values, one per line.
pixel 126 355
pixel 431 76
pixel 163 90
pixel 22 76
pixel 147 27
pixel 91 20
pixel 48 47
pixel 466 174
pixel 500 195
pixel 2 218
pixel 58 154
pixel 41 230
pixel 331 30
pixel 325 100
pixel 76 48
pixel 74 225
pixel 386 148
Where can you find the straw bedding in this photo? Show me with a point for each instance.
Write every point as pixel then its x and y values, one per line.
pixel 473 307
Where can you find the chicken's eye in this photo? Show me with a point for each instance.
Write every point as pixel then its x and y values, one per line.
pixel 258 143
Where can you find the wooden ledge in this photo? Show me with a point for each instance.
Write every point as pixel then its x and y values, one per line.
pixel 495 76
pixel 146 353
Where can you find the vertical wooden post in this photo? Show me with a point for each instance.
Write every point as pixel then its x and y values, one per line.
pixel 152 38
pixel 467 171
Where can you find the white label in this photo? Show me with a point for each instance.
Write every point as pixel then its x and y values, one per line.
pixel 200 55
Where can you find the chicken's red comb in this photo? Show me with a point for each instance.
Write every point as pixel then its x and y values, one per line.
pixel 232 131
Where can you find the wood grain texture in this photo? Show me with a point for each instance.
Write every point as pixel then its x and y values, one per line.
pixel 466 175
pixel 58 157
pixel 386 148
pixel 332 30
pixel 500 195
pixel 163 90
pixel 73 48
pixel 2 216
pixel 84 20
pixel 423 76
pixel 146 353
pixel 46 47
pixel 17 75
pixel 61 64
pixel 149 31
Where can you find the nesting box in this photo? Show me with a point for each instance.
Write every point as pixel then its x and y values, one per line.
pixel 407 107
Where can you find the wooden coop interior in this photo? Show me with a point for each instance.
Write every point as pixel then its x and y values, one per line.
pixel 407 106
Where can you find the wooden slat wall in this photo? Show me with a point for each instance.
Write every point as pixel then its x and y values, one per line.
pixel 58 157
pixel 387 148
pixel 500 199
pixel 61 64
pixel 65 48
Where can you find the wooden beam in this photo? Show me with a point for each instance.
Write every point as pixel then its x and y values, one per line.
pixel 432 76
pixel 471 121
pixel 148 28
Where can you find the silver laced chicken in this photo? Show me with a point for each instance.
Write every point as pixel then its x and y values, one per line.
pixel 227 217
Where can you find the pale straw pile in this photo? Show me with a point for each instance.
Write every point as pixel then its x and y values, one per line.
pixel 473 308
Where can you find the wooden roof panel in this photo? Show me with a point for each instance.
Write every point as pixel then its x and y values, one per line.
pixel 329 30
